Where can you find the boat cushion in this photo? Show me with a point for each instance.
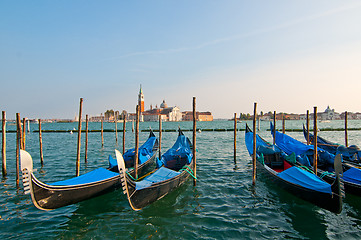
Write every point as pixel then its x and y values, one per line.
pixel 160 175
pixel 352 175
pixel 305 179
pixel 90 177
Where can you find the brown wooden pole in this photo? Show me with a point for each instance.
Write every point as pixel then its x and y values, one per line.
pixel 4 143
pixel 101 132
pixel 235 139
pixel 41 144
pixel 315 139
pixel 346 135
pixel 124 126
pixel 79 138
pixel 86 139
pixel 116 128
pixel 308 127
pixel 136 143
pixel 254 144
pixel 18 146
pixel 194 141
pixel 274 127
pixel 160 136
pixel 24 135
pixel 283 124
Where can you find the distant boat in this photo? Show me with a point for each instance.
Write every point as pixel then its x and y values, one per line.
pixel 325 121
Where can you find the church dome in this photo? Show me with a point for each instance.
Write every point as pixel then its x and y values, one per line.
pixel 163 104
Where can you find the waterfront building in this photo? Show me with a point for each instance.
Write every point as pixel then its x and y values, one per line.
pixel 171 114
pixel 200 116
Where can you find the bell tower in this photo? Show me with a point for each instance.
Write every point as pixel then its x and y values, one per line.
pixel 141 99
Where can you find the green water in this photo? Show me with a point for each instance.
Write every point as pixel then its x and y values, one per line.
pixel 223 205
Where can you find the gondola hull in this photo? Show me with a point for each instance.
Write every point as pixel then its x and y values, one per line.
pixel 327 201
pixel 275 165
pixel 47 197
pixel 174 168
pixel 144 197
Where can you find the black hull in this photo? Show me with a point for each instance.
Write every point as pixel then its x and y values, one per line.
pixel 331 202
pixel 141 198
pixel 47 197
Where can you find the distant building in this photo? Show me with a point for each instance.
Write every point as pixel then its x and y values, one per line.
pixel 200 116
pixel 141 99
pixel 328 114
pixel 171 114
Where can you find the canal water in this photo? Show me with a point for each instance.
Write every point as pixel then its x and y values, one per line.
pixel 223 205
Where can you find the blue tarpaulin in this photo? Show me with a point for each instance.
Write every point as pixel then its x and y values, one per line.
pixel 144 154
pixel 181 150
pixel 160 175
pixel 352 175
pixel 305 179
pixel 93 176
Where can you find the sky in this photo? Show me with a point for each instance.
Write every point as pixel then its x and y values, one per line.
pixel 288 56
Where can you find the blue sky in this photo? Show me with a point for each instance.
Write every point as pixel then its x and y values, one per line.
pixel 287 56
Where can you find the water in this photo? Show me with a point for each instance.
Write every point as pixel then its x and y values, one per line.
pixel 223 205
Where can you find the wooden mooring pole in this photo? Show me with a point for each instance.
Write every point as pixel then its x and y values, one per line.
pixel 283 123
pixel 79 138
pixel 235 139
pixel 86 139
pixel 19 146
pixel 346 135
pixel 315 139
pixel 274 127
pixel 4 143
pixel 308 126
pixel 254 145
pixel 41 144
pixel 160 137
pixel 24 133
pixel 101 132
pixel 124 126
pixel 136 154
pixel 116 128
pixel 194 141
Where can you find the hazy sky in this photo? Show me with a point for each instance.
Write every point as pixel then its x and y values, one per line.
pixel 287 56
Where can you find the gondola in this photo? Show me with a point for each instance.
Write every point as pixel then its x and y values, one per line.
pixel 351 153
pixel 173 169
pixel 298 181
pixel 351 176
pixel 62 193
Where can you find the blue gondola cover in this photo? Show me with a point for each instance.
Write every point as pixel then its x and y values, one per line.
pixel 305 179
pixel 90 177
pixel 352 175
pixel 160 175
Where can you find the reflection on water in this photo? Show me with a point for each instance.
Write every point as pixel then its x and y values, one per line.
pixel 223 205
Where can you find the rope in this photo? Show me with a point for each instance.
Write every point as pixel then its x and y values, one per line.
pixel 306 168
pixel 131 176
pixel 325 174
pixel 185 168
